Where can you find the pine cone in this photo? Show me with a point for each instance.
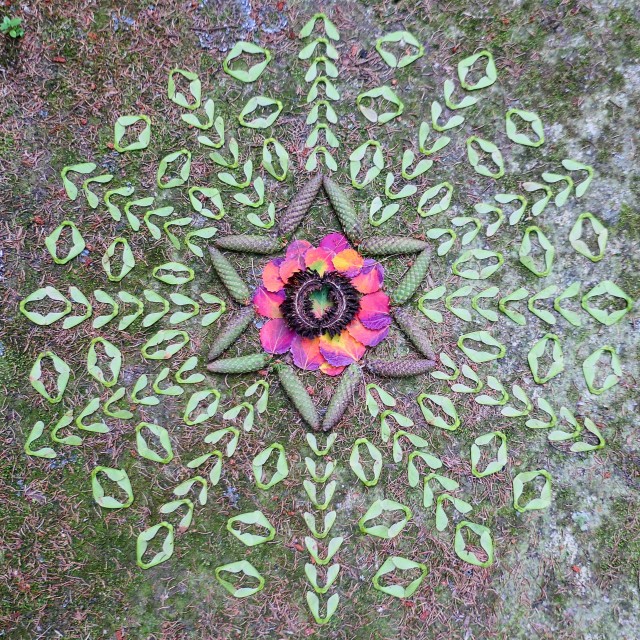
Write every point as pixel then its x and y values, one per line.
pixel 342 396
pixel 232 330
pixel 342 205
pixel 264 245
pixel 391 245
pixel 408 322
pixel 241 364
pixel 412 279
pixel 299 206
pixel 298 395
pixel 230 277
pixel 400 367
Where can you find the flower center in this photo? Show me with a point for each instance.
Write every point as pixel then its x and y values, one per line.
pixel 316 304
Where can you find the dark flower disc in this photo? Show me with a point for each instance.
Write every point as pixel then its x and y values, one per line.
pixel 341 298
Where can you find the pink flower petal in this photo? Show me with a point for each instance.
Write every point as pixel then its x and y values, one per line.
pixel 319 260
pixel 369 280
pixel 348 262
pixel 289 267
pixel 297 249
pixel 368 337
pixel 276 337
pixel 325 367
pixel 267 303
pixel 341 350
pixel 374 310
pixel 306 353
pixel 271 275
pixel 335 242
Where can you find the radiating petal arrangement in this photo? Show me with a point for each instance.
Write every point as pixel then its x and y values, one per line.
pixel 330 353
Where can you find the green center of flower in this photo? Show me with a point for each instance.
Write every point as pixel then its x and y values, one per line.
pixel 321 301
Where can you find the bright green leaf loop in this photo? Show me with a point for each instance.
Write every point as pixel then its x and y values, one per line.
pixel 242 566
pixel 115 362
pixel 143 542
pixel 254 71
pixel 533 120
pixel 173 268
pixel 260 122
pixel 591 365
pixel 182 156
pixel 525 250
pixel 495 465
pixel 601 232
pixel 447 407
pixel 384 531
pixel 486 543
pixel 541 502
pixel 120 477
pixel 492 150
pixel 120 130
pixel 356 464
pixel 281 154
pixel 537 351
pixel 485 338
pixel 355 163
pixel 193 402
pixel 164 336
pixel 207 193
pixel 255 518
pixel 163 437
pixel 479 255
pixel 195 88
pixel 128 261
pixel 62 379
pixel 490 72
pixel 606 287
pixel 392 564
pixel 78 243
pixel 430 194
pixel 371 114
pixel 282 468
pixel 403 38
pixel 52 316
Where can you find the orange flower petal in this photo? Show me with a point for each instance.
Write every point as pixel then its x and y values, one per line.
pixel 267 303
pixel 369 280
pixel 374 310
pixel 348 262
pixel 368 337
pixel 325 367
pixel 276 337
pixel 271 275
pixel 341 350
pixel 319 260
pixel 306 353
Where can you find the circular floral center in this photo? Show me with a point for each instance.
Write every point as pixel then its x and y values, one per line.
pixel 316 304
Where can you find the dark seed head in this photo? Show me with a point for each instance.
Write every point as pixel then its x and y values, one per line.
pixel 297 307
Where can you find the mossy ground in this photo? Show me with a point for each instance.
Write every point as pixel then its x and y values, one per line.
pixel 67 568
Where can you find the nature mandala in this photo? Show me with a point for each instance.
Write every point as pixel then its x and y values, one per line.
pixel 321 351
